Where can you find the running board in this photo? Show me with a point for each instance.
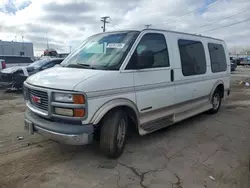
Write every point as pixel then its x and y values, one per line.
pixel 158 124
pixel 174 118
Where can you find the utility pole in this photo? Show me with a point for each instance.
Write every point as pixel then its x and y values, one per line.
pixel 148 25
pixel 22 43
pixel 104 20
pixel 47 41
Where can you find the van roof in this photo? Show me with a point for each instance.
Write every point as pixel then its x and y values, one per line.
pixel 197 35
pixel 152 29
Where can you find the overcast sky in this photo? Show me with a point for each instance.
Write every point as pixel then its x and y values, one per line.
pixel 68 22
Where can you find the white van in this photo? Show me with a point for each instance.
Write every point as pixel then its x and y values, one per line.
pixel 114 81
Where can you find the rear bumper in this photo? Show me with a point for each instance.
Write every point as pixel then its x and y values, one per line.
pixel 66 133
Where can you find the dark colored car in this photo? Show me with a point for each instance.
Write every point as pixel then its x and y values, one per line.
pixel 233 64
pixel 42 64
pixel 15 76
pixel 238 60
pixel 245 61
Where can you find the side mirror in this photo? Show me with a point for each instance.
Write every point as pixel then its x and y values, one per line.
pixel 145 60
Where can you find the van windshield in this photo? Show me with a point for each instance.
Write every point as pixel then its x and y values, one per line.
pixel 102 51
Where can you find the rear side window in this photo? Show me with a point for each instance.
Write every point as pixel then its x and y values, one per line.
pixel 193 60
pixel 217 57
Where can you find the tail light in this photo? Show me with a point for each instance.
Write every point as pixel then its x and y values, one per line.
pixel 3 65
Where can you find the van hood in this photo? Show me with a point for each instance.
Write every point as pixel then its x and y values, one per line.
pixel 61 77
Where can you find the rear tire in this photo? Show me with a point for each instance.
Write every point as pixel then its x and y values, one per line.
pixel 216 102
pixel 114 131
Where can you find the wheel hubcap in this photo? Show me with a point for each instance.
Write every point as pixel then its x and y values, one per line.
pixel 216 101
pixel 121 133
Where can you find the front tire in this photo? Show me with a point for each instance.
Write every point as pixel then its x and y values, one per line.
pixel 216 102
pixel 114 130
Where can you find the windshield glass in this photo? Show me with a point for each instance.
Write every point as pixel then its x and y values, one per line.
pixel 102 51
pixel 39 63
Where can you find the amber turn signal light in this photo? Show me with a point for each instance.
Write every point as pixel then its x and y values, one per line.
pixel 78 99
pixel 79 112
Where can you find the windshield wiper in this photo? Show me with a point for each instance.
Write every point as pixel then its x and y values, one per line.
pixel 86 66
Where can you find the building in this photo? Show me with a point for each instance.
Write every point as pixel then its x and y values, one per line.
pixel 9 48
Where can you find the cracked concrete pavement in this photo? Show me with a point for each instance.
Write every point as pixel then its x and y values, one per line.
pixel 181 156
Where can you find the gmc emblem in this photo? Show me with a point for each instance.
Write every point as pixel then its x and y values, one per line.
pixel 36 99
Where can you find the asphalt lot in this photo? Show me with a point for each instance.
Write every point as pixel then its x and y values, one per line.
pixel 181 156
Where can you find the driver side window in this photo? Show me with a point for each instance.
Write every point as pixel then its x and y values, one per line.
pixel 151 43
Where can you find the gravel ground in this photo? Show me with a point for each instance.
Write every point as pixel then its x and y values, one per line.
pixel 203 151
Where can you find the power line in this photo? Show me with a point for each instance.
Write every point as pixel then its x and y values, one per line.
pixel 104 20
pixel 211 23
pixel 114 25
pixel 208 6
pixel 148 25
pixel 195 10
pixel 236 23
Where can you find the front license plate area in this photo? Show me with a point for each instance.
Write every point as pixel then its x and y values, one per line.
pixel 28 126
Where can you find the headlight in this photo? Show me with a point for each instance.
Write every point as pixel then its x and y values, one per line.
pixel 69 98
pixel 63 97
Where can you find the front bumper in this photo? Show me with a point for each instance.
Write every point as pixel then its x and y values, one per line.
pixel 61 132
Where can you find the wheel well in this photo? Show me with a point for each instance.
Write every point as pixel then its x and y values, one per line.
pixel 132 117
pixel 220 88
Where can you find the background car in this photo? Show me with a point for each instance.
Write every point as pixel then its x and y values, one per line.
pixel 42 64
pixel 2 64
pixel 62 55
pixel 13 61
pixel 233 64
pixel 238 60
pixel 15 76
pixel 245 61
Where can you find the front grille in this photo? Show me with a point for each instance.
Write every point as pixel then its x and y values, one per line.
pixel 42 97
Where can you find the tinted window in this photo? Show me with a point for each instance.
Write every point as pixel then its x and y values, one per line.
pixel 193 60
pixel 155 43
pixel 49 65
pixel 39 63
pixel 57 61
pixel 52 64
pixel 217 57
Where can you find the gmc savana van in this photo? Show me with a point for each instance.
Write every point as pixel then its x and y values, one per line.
pixel 114 81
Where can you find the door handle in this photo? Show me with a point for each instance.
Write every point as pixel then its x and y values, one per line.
pixel 172 75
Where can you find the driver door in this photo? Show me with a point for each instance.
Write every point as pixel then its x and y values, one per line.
pixel 154 88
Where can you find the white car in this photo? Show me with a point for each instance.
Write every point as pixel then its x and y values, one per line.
pixel 2 64
pixel 145 80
